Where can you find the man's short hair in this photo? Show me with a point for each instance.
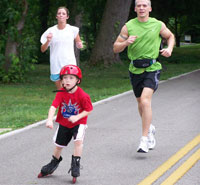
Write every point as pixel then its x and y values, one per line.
pixel 149 2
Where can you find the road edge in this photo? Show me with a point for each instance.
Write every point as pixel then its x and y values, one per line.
pixel 94 104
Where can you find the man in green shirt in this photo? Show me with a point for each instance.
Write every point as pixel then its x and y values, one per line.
pixel 142 36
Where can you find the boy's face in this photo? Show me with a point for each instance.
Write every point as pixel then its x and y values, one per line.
pixel 69 81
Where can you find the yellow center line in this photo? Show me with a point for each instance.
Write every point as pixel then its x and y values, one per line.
pixel 176 175
pixel 170 162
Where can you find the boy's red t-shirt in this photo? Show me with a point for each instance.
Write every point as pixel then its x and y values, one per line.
pixel 71 104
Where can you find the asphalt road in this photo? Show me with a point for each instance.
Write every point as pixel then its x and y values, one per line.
pixel 112 137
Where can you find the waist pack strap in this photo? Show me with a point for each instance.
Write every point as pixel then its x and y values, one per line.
pixel 152 61
pixel 143 63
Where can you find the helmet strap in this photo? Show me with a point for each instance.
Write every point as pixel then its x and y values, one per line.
pixel 68 90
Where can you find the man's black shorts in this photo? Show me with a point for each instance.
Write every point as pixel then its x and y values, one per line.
pixel 146 79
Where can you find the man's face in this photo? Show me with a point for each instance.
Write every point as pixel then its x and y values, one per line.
pixel 142 8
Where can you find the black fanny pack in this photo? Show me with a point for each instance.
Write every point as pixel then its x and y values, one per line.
pixel 143 63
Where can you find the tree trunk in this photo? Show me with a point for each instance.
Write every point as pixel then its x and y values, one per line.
pixel 44 12
pixel 76 20
pixel 78 24
pixel 114 17
pixel 12 45
pixel 177 36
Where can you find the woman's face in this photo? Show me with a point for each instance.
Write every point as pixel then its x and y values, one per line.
pixel 62 15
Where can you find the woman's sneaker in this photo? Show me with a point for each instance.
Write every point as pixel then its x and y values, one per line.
pixel 143 146
pixel 151 137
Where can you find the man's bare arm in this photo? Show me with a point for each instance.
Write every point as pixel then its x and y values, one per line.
pixel 168 35
pixel 123 40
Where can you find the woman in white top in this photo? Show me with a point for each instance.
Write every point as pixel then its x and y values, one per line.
pixel 61 39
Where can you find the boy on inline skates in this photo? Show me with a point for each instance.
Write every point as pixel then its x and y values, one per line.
pixel 74 107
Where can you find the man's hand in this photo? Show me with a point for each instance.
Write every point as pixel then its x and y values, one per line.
pixel 166 52
pixel 131 39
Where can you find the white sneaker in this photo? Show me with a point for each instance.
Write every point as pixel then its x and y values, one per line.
pixel 143 147
pixel 151 137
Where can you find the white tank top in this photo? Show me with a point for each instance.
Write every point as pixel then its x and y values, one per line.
pixel 61 46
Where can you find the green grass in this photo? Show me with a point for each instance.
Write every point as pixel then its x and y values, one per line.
pixel 25 103
pixel 183 60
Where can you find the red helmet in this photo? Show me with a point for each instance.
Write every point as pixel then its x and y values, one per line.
pixel 71 70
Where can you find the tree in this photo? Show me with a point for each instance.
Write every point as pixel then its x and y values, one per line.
pixel 12 44
pixel 91 18
pixel 114 16
pixel 43 18
pixel 181 16
pixel 76 20
pixel 18 39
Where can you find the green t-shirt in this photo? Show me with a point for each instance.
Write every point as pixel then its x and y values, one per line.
pixel 147 43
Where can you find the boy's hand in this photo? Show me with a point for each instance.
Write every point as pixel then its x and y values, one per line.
pixel 49 124
pixel 77 117
pixel 73 119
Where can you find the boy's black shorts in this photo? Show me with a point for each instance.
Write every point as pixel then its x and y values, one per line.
pixel 146 79
pixel 64 135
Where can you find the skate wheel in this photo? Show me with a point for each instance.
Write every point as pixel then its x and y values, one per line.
pixel 74 180
pixel 40 175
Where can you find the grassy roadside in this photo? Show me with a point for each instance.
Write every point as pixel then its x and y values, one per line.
pixel 26 103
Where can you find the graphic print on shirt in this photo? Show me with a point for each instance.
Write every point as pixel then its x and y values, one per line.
pixel 69 109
